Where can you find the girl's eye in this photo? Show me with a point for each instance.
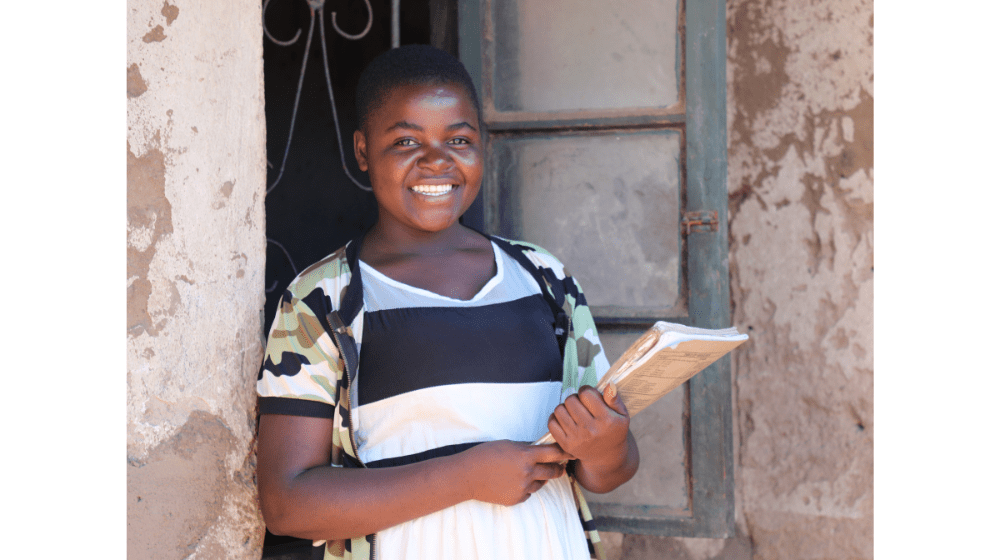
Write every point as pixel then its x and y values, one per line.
pixel 459 141
pixel 406 142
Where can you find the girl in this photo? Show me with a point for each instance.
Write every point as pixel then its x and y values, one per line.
pixel 424 354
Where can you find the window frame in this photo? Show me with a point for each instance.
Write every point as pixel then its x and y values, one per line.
pixel 700 114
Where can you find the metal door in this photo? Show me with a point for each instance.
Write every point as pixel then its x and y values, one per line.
pixel 607 147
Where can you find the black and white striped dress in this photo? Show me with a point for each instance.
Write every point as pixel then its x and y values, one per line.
pixel 438 375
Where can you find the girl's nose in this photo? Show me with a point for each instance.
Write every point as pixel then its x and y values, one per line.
pixel 435 158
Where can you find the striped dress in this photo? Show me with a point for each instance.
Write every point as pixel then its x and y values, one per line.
pixel 303 374
pixel 439 375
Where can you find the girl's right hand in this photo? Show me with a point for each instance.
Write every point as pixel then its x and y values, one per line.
pixel 507 473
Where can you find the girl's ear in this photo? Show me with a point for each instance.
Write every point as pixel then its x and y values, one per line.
pixel 360 150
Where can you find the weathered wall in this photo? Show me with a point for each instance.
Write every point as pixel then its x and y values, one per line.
pixel 800 109
pixel 802 261
pixel 195 244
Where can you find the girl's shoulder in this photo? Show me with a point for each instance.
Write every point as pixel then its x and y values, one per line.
pixel 538 255
pixel 330 275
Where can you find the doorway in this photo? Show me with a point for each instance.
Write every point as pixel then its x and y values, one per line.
pixel 313 206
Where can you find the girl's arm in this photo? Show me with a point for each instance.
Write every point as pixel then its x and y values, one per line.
pixel 303 496
pixel 597 435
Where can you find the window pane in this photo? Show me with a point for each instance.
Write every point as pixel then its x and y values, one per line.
pixel 552 55
pixel 605 204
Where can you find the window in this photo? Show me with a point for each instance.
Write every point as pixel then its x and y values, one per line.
pixel 607 146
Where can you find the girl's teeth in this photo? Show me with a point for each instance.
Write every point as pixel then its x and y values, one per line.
pixel 432 190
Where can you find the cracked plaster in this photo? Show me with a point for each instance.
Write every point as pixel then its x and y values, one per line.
pixel 195 252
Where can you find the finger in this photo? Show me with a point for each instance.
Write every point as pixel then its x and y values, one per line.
pixel 556 429
pixel 591 398
pixel 549 453
pixel 578 411
pixel 614 399
pixel 565 420
pixel 547 471
pixel 531 489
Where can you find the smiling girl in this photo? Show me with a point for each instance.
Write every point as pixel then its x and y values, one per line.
pixel 417 446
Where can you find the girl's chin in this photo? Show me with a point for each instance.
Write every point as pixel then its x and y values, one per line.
pixel 426 224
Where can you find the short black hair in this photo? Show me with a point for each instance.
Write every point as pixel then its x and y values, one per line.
pixel 410 65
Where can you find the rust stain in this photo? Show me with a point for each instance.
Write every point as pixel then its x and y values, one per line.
pixel 170 12
pixel 155 35
pixel 148 208
pixel 135 85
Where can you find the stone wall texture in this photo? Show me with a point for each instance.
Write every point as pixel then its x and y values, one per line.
pixel 800 110
pixel 195 253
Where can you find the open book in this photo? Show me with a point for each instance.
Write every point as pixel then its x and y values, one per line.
pixel 661 360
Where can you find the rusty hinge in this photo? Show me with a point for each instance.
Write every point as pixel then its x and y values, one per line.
pixel 701 221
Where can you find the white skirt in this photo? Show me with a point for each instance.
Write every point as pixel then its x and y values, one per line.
pixel 545 527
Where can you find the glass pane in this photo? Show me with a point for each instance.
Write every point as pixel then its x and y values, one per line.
pixel 659 430
pixel 606 205
pixel 552 55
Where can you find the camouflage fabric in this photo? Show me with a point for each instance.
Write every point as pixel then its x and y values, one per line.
pixel 303 373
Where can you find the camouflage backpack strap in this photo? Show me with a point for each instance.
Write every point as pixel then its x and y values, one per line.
pixel 552 289
pixel 340 320
pixel 350 305
pixel 352 298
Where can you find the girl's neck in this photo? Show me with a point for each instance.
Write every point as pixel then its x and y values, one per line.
pixel 386 242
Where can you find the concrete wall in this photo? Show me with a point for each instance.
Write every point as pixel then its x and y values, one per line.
pixel 802 253
pixel 195 242
pixel 800 84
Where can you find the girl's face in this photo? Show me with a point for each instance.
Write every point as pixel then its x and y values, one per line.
pixel 423 154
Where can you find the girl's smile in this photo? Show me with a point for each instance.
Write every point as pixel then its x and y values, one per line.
pixel 422 150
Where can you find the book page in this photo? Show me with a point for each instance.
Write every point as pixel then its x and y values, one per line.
pixel 661 360
pixel 666 370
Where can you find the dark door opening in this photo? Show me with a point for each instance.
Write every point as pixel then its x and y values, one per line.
pixel 314 208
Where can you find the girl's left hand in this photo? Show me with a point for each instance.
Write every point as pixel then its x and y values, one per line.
pixel 592 428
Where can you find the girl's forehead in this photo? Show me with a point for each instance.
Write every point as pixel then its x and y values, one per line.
pixel 446 96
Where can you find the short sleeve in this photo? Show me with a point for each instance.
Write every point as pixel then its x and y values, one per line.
pixel 302 368
pixel 592 362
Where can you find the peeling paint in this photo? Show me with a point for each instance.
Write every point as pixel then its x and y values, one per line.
pixel 170 12
pixel 801 205
pixel 135 85
pixel 179 491
pixel 193 342
pixel 224 192
pixel 149 220
pixel 155 35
